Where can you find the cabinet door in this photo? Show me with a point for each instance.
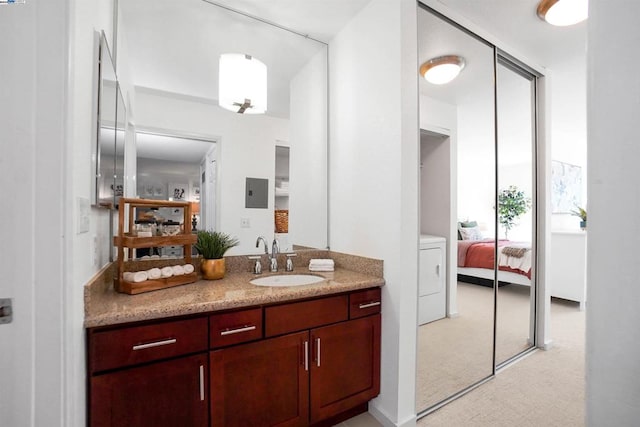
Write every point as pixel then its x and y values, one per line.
pixel 345 366
pixel 172 393
pixel 265 383
pixel 431 273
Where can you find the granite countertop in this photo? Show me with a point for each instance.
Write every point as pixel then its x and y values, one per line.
pixel 105 306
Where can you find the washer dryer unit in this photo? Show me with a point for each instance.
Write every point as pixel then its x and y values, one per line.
pixel 432 279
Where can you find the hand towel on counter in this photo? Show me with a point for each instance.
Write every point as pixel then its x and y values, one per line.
pixel 167 272
pixel 177 270
pixel 137 277
pixel 154 273
pixel 321 265
pixel 188 268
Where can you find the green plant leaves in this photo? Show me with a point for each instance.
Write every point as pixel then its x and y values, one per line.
pixel 214 244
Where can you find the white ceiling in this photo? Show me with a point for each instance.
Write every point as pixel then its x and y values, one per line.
pixel 516 23
pixel 174 46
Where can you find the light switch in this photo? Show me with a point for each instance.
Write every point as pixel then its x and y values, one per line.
pixel 245 223
pixel 83 215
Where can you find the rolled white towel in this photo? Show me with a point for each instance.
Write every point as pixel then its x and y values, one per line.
pixel 154 273
pixel 136 277
pixel 166 272
pixel 177 270
pixel 188 268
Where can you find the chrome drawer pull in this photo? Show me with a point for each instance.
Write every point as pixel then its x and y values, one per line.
pixel 371 304
pixel 201 382
pixel 155 344
pixel 306 355
pixel 318 349
pixel 237 331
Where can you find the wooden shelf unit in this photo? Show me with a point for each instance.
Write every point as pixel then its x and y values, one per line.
pixel 126 239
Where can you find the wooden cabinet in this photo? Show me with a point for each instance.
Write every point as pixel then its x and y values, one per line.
pixel 171 393
pixel 345 366
pixel 265 383
pixel 303 377
pixel 125 389
pixel 291 364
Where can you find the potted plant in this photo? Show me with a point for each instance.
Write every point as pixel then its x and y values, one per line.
pixel 512 203
pixel 212 245
pixel 582 214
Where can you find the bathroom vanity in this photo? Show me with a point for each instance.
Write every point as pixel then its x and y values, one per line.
pixel 228 353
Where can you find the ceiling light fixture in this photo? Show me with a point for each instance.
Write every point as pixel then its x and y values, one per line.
pixel 563 12
pixel 242 85
pixel 442 69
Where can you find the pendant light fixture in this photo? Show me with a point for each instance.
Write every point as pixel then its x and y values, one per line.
pixel 443 69
pixel 242 85
pixel 563 12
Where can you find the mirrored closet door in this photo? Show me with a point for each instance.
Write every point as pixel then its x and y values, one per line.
pixel 476 299
pixel 458 181
pixel 515 305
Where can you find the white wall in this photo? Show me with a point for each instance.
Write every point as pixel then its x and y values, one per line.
pixel 613 343
pixel 476 162
pixel 569 124
pixel 246 149
pixel 440 117
pixel 373 188
pixel 308 154
pixel 86 252
pixel 41 364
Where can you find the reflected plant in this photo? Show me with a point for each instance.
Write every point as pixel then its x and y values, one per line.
pixel 512 204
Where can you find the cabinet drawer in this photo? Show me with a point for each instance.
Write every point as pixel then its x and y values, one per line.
pixel 364 303
pixel 285 318
pixel 236 327
pixel 137 344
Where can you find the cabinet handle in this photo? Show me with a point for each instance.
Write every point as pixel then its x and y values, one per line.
pixel 245 328
pixel 155 344
pixel 202 382
pixel 318 352
pixel 370 304
pixel 438 270
pixel 306 355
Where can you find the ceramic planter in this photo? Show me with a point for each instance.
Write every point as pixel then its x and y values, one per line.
pixel 212 269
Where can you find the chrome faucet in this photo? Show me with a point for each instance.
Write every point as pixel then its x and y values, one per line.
pixel 273 261
pixel 266 246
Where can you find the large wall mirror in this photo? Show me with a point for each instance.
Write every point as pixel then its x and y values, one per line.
pixel 171 53
pixel 477 205
pixel 108 156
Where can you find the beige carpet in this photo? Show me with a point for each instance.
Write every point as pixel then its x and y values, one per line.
pixel 544 389
pixel 454 353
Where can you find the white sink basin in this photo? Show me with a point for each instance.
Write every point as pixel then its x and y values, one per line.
pixel 287 280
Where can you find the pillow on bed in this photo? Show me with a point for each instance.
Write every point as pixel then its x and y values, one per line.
pixel 470 233
pixel 465 224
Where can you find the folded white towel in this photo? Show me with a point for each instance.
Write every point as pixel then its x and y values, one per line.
pixel 154 273
pixel 321 263
pixel 188 268
pixel 177 270
pixel 320 268
pixel 136 277
pixel 167 272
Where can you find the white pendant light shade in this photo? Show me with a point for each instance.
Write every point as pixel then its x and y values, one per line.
pixel 242 84
pixel 563 12
pixel 443 69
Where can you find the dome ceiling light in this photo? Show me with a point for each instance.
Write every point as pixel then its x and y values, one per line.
pixel 563 12
pixel 443 69
pixel 242 84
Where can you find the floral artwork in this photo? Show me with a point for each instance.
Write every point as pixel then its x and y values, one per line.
pixel 566 187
